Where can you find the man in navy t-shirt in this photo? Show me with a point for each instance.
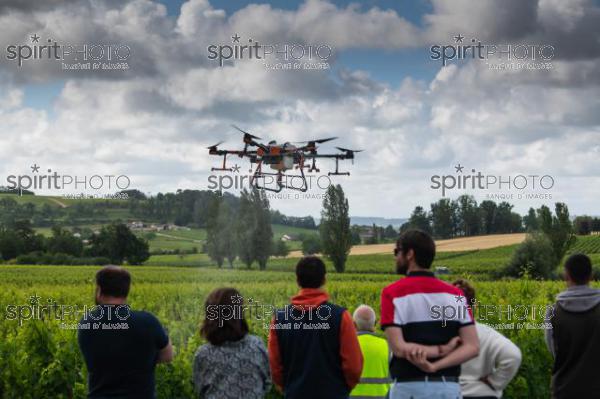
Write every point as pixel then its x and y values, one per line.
pixel 121 346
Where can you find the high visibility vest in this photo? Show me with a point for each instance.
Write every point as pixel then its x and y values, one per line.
pixel 375 378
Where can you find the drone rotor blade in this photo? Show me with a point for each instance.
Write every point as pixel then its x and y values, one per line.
pixel 318 141
pixel 324 140
pixel 245 132
pixel 347 150
pixel 216 145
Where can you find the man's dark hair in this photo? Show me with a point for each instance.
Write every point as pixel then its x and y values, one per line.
pixel 224 320
pixel 310 272
pixel 113 281
pixel 579 267
pixel 421 243
pixel 467 289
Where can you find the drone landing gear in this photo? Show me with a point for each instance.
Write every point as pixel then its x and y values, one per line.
pixel 224 168
pixel 258 173
pixel 337 172
pixel 313 167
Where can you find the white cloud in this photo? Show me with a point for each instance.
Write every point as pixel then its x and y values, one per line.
pixel 155 122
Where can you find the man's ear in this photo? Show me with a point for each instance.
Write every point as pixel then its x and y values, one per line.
pixel 410 255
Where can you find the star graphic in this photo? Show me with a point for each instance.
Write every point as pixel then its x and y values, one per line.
pixel 459 38
pixel 236 299
pixel 459 298
pixel 459 168
pixel 35 38
pixel 34 299
pixel 236 38
pixel 235 168
pixel 35 168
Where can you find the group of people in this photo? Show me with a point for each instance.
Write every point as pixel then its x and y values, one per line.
pixel 317 349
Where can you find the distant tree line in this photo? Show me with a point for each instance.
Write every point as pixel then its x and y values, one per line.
pixel 46 215
pixel 183 208
pixel 463 217
pixel 306 222
pixel 114 243
pixel 585 225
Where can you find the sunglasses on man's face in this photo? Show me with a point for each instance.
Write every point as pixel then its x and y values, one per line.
pixel 397 251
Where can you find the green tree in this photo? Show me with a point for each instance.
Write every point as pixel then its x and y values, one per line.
pixel 226 232
pixel 63 241
pixel 531 221
pixel 355 235
pixel 504 220
pixel 390 232
pixel 443 218
pixel 559 230
pixel 246 226
pixel 583 225
pixel 280 248
pixel 117 243
pixel 418 220
pixel 214 246
pixel 468 211
pixel 311 244
pixel 335 227
pixel 11 245
pixel 263 232
pixel 533 257
pixel 487 213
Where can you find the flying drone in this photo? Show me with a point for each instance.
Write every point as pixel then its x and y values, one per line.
pixel 281 158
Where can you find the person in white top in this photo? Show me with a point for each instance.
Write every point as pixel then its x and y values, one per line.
pixel 488 374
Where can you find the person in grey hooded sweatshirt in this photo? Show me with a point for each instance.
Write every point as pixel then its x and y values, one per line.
pixel 574 339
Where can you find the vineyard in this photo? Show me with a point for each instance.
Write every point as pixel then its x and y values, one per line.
pixel 39 357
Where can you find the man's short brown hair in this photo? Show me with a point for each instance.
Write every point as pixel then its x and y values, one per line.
pixel 113 281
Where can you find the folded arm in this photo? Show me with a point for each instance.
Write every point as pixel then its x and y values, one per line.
pixel 401 348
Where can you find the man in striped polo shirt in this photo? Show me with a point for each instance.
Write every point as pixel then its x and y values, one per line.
pixel 424 319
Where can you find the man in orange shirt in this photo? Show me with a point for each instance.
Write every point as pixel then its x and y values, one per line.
pixel 313 348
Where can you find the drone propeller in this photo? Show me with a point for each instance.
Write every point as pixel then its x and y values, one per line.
pixel 347 150
pixel 246 133
pixel 214 147
pixel 319 141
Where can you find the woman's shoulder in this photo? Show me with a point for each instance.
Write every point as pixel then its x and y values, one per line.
pixel 204 350
pixel 253 340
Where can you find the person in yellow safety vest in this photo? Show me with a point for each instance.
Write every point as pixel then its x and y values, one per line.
pixel 374 380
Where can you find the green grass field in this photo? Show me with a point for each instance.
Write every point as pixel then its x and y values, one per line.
pixel 39 359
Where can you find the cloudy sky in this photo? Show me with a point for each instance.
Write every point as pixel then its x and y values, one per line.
pixel 381 92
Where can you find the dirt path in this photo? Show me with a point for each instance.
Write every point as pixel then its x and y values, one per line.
pixel 178 238
pixel 61 204
pixel 453 245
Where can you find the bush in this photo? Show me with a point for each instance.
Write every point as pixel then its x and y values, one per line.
pixel 534 258
pixel 44 258
pixel 311 244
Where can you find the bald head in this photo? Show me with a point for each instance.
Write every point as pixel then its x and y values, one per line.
pixel 364 318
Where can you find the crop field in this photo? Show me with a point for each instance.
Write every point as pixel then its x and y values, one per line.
pixel 39 356
pixel 452 245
